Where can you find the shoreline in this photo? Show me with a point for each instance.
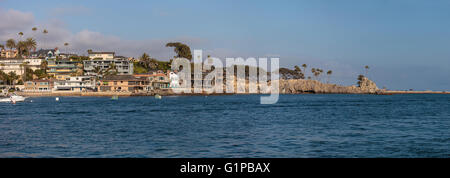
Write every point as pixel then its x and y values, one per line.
pixel 128 94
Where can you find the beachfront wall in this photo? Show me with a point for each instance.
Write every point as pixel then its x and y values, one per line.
pixel 38 86
pixel 123 83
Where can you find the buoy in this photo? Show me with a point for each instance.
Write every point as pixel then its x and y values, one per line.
pixel 57 98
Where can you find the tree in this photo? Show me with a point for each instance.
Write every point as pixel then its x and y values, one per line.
pixel 66 44
pixel 99 71
pixel 182 50
pixel 22 47
pixel 367 70
pixel 304 68
pixel 21 35
pixel 10 44
pixel 12 76
pixel 300 72
pixel 329 74
pixel 31 44
pixel 45 32
pixel 360 79
pixel 112 70
pixel 2 46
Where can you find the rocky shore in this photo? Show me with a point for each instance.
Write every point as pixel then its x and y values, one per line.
pixel 299 86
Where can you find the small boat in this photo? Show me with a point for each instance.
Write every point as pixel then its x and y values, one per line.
pixel 13 99
pixel 115 97
pixel 158 96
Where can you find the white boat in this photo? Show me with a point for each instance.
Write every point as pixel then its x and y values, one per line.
pixel 13 98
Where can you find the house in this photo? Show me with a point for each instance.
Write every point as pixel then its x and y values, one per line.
pixel 123 83
pixel 66 55
pixel 158 79
pixel 46 53
pixel 38 86
pixel 101 55
pixel 12 53
pixel 75 84
pixel 123 67
pixel 18 66
pixel 63 69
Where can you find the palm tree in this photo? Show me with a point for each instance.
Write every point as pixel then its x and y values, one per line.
pixel 99 71
pixel 31 44
pixel 367 70
pixel 45 32
pixel 24 67
pixel 44 65
pixel 66 44
pixel 112 70
pixel 21 35
pixel 34 29
pixel 304 67
pixel 12 78
pixel 22 47
pixel 11 44
pixel 329 74
pixel 313 71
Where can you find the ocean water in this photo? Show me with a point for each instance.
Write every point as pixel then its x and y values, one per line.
pixel 298 126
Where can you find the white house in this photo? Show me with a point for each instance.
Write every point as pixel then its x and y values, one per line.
pixel 79 83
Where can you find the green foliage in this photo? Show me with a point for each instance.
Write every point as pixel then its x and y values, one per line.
pixel 11 44
pixel 139 69
pixel 79 58
pixel 360 78
pixel 182 50
pixel 40 73
pixel 28 74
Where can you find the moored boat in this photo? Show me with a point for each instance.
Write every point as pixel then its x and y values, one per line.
pixel 13 98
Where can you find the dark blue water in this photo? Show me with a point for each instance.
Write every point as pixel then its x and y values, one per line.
pixel 228 126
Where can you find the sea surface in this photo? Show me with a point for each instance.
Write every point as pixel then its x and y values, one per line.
pixel 298 126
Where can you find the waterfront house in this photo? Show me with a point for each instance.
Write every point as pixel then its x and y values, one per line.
pixel 123 83
pixel 158 80
pixel 62 69
pixel 38 86
pixel 101 55
pixel 75 84
pixel 122 66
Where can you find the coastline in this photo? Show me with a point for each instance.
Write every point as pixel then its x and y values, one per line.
pixel 129 94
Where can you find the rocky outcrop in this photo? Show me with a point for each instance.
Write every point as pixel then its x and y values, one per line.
pixel 296 86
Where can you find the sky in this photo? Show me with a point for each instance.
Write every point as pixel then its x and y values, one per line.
pixel 404 42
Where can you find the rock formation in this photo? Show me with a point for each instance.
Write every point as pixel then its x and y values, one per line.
pixel 296 86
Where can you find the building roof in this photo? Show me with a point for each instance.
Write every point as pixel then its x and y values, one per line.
pixel 43 52
pixel 98 52
pixel 121 77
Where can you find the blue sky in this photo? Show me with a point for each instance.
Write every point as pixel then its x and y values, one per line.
pixel 405 42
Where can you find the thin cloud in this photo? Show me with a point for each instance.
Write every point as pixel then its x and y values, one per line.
pixel 70 11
